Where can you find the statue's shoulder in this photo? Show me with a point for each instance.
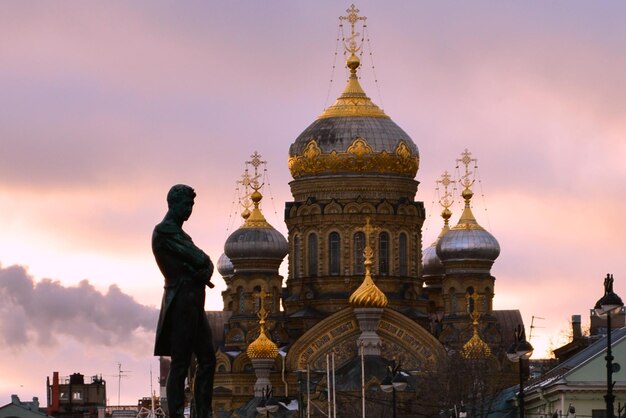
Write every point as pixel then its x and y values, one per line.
pixel 167 228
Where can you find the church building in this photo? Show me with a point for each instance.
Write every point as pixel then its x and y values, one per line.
pixel 364 300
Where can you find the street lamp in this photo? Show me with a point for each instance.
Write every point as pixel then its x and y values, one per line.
pixel 609 304
pixel 520 350
pixel 268 403
pixel 394 381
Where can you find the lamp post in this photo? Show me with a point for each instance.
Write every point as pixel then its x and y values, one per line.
pixel 268 403
pixel 520 350
pixel 394 381
pixel 609 304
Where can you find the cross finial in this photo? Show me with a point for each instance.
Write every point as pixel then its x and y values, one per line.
pixel 263 314
pixel 255 162
pixel 446 180
pixel 466 159
pixel 352 17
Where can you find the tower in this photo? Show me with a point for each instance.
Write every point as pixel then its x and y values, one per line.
pixel 352 162
pixel 467 253
pixel 255 251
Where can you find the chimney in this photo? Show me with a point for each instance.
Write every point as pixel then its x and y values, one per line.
pixel 53 393
pixel 577 332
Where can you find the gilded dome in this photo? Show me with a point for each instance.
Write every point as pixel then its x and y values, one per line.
pixel 256 238
pixel 368 295
pixel 475 348
pixel 225 266
pixel 353 136
pixel 262 347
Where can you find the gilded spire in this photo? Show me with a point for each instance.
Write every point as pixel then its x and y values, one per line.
pixel 353 101
pixel 262 347
pixel 254 218
pixel 368 295
pixel 467 219
pixel 446 201
pixel 475 348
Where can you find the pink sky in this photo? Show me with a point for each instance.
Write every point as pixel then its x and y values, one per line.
pixel 104 106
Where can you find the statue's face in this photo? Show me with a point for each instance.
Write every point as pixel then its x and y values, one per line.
pixel 182 208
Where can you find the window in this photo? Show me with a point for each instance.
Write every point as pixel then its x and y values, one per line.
pixel 383 253
pixel 312 251
pixel 334 253
pixel 296 256
pixel 359 247
pixel 77 396
pixel 403 254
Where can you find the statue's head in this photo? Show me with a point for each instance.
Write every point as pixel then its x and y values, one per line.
pixel 180 201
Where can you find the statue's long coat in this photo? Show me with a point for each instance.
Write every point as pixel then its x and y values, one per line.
pixel 179 260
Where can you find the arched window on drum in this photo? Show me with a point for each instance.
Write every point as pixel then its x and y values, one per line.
pixel 312 255
pixel 383 253
pixel 403 254
pixel 334 254
pixel 358 257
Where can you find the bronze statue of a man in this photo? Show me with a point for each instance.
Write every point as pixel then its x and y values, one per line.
pixel 183 328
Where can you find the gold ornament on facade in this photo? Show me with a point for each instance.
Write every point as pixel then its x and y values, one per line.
pixel 358 158
pixel 262 347
pixel 368 295
pixel 475 348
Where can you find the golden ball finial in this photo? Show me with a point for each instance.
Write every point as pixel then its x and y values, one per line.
pixel 353 62
pixel 446 214
pixel 256 196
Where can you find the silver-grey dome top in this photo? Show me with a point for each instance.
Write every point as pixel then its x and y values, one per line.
pixel 225 266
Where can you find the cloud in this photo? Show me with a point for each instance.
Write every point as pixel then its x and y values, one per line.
pixel 46 312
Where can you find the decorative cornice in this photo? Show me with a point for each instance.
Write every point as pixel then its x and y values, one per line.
pixel 358 158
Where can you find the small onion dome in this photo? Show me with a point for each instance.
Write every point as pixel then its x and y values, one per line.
pixel 353 136
pixel 256 242
pixel 368 295
pixel 431 264
pixel 262 347
pixel 225 266
pixel 468 241
pixel 475 348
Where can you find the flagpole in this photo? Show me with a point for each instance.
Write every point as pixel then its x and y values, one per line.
pixel 308 392
pixel 328 384
pixel 362 380
pixel 334 393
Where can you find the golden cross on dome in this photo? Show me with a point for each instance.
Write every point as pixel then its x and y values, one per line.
pixel 352 17
pixel 472 307
pixel 263 314
pixel 466 159
pixel 446 180
pixel 255 162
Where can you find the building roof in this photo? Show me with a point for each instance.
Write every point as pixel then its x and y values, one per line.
pixel 578 360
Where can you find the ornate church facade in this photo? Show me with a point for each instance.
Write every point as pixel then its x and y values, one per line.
pixel 361 298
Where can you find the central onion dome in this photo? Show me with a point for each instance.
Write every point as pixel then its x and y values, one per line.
pixel 256 245
pixel 353 136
